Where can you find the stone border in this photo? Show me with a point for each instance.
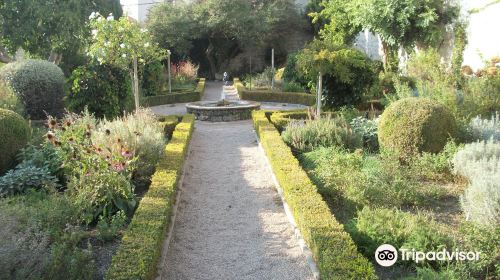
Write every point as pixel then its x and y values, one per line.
pixel 241 110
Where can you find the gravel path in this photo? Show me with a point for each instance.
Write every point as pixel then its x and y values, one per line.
pixel 230 222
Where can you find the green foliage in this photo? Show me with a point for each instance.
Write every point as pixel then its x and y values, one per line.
pixel 153 215
pixel 486 129
pixel 291 74
pixel 102 89
pixel 44 156
pixel 60 30
pixel 181 97
pixel 141 134
pixel 292 87
pixel 339 26
pixel 374 227
pixel 153 79
pixel 325 132
pixel 350 180
pixel 333 249
pixel 460 43
pixel 14 135
pixel 414 125
pixel 38 84
pixel 404 23
pixel 280 97
pixel 173 27
pixel 33 224
pixel 424 273
pixel 26 177
pixel 481 201
pixel 478 159
pixel 368 130
pixel 283 118
pixel 348 72
pixel 9 101
pixel 108 229
pixel 481 94
pixel 485 240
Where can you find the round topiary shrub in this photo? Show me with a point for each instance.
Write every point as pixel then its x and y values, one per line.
pixel 39 84
pixel 413 125
pixel 105 90
pixel 14 135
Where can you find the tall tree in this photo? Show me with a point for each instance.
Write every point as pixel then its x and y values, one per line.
pixel 49 28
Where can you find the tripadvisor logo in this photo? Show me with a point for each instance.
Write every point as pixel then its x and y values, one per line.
pixel 386 255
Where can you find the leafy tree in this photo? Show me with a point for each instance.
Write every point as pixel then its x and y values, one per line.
pixel 403 23
pixel 47 28
pixel 348 73
pixel 124 44
pixel 336 18
pixel 225 27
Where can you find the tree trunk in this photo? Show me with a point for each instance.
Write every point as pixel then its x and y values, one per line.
pixel 135 85
pixel 211 59
pixel 55 57
pixel 4 57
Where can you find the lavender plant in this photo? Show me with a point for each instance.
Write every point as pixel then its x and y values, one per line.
pixel 485 129
pixel 481 200
pixel 478 159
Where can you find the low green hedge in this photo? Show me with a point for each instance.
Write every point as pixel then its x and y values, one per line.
pixel 169 123
pixel 140 250
pixel 274 96
pixel 333 249
pixel 184 97
pixel 282 119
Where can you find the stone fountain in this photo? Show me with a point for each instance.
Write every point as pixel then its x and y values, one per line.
pixel 228 108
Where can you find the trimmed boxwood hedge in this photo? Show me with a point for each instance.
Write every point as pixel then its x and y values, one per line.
pixel 140 250
pixel 333 249
pixel 184 97
pixel 282 119
pixel 169 123
pixel 273 96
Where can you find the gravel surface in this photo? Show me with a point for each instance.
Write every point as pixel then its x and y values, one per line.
pixel 230 222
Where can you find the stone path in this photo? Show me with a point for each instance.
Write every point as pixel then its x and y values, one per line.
pixel 230 222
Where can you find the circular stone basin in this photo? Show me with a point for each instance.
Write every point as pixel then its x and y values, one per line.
pixel 213 111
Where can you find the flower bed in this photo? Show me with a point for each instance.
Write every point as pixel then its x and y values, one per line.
pixel 333 249
pixel 141 246
pixel 274 96
pixel 184 97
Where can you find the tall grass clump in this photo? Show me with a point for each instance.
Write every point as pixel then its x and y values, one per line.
pixel 325 132
pixel 140 132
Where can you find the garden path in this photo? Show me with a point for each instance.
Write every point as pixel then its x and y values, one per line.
pixel 230 222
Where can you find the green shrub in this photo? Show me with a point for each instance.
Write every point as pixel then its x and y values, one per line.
pixel 108 228
pixel 282 119
pixel 153 215
pixel 44 155
pixel 374 227
pixel 169 123
pixel 14 135
pixel 104 90
pixel 481 201
pixel 141 133
pixel 325 132
pixel 292 87
pixel 368 130
pixel 290 73
pixel 486 129
pixel 333 249
pixel 9 101
pixel 281 97
pixel 485 240
pixel 414 125
pixel 153 79
pixel 39 84
pixel 26 177
pixel 348 73
pixel 184 97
